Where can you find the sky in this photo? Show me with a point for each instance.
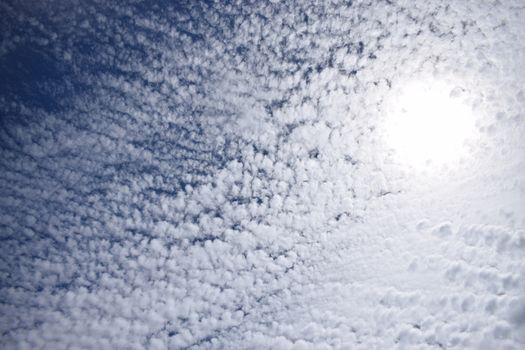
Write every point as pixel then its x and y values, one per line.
pixel 262 174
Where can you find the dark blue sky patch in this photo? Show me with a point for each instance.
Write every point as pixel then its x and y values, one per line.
pixel 34 77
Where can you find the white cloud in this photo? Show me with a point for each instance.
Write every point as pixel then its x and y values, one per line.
pixel 214 176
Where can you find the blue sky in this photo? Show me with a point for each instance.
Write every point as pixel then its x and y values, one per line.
pixel 218 175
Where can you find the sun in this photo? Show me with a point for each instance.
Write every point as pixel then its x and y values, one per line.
pixel 428 124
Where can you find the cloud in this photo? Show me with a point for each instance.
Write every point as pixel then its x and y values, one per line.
pixel 213 176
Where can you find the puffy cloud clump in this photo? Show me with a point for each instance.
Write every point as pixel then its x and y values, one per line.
pixel 215 176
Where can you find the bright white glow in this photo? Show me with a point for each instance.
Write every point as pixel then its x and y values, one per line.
pixel 429 124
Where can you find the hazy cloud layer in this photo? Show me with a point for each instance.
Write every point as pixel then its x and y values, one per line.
pixel 212 175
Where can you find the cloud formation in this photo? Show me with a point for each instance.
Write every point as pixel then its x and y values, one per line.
pixel 213 175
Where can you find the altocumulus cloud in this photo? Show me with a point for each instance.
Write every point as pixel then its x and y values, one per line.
pixel 211 175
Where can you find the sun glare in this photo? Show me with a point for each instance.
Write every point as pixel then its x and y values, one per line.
pixel 428 124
